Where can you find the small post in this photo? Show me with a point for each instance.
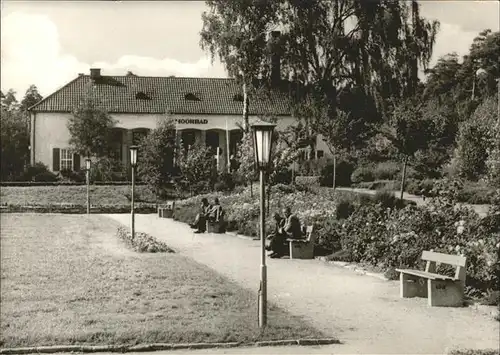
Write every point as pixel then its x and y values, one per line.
pixel 87 178
pixel 263 268
pixel 132 222
pixel 133 163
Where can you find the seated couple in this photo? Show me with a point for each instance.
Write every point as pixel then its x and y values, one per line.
pixel 287 227
pixel 208 212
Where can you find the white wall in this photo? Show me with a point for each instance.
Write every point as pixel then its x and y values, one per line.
pixel 51 130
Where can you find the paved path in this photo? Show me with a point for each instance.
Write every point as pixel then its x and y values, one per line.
pixel 482 210
pixel 364 312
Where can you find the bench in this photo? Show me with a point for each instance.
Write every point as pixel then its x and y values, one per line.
pixel 303 248
pixel 440 290
pixel 166 210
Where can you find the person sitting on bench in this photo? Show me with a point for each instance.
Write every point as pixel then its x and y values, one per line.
pixel 292 227
pixel 216 213
pixel 277 238
pixel 200 222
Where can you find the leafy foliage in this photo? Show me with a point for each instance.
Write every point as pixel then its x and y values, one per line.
pixel 198 169
pixel 157 155
pixel 90 127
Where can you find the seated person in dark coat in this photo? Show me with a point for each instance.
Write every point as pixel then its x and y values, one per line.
pixel 277 237
pixel 287 228
pixel 216 213
pixel 200 222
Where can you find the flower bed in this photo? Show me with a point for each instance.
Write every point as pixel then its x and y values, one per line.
pixel 366 231
pixel 143 243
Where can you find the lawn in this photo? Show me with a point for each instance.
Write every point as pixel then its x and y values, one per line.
pixel 67 279
pixel 99 194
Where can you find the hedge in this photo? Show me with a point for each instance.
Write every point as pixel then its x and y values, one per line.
pixel 77 208
pixel 66 183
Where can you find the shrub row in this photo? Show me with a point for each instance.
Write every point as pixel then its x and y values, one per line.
pixel 142 242
pixel 76 208
pixel 65 183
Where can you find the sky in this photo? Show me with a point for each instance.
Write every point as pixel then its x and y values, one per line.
pixel 47 43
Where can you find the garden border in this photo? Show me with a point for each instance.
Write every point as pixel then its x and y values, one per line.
pixel 162 346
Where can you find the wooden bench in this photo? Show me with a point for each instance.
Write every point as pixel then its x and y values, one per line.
pixel 440 290
pixel 303 248
pixel 166 210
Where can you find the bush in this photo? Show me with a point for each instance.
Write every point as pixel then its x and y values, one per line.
pixel 75 176
pixel 46 176
pixel 142 242
pixel 225 182
pixel 283 177
pixel 345 208
pixel 308 180
pixel 387 171
pixel 476 193
pixel 344 170
pixel 38 169
pixel 362 174
pixel 385 198
pixel 107 169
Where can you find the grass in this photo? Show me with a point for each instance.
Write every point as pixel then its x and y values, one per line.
pixel 99 194
pixel 67 279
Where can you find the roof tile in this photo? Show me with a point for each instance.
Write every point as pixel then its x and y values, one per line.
pixel 167 95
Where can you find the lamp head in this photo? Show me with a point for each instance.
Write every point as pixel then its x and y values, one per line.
pixel 88 162
pixel 263 141
pixel 133 155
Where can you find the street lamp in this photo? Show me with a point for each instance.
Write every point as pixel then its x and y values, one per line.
pixel 263 140
pixel 477 73
pixel 87 175
pixel 133 164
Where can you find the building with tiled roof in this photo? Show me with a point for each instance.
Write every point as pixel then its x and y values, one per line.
pixel 205 109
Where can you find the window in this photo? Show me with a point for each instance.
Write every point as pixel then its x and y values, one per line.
pixel 238 97
pixel 191 97
pixel 66 160
pixel 320 154
pixel 142 96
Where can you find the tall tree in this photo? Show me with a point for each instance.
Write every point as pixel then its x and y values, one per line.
pixel 31 97
pixel 90 127
pixel 157 154
pixel 235 32
pixel 408 132
pixel 14 143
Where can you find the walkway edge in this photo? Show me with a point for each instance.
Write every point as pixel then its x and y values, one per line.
pixel 160 346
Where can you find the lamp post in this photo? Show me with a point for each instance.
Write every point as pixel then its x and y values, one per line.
pixel 87 175
pixel 133 164
pixel 477 73
pixel 262 136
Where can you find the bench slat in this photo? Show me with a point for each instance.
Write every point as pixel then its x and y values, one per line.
pixel 456 260
pixel 427 275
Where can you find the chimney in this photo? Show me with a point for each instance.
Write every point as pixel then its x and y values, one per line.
pixel 95 73
pixel 275 58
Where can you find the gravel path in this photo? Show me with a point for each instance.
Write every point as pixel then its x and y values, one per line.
pixel 364 312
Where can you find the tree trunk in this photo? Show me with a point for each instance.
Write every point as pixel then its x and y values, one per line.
pixel 334 169
pixel 403 176
pixel 246 125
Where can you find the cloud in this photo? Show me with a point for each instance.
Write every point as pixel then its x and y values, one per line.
pixel 452 38
pixel 32 54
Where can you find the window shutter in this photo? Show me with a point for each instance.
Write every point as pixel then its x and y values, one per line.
pixel 56 155
pixel 76 162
